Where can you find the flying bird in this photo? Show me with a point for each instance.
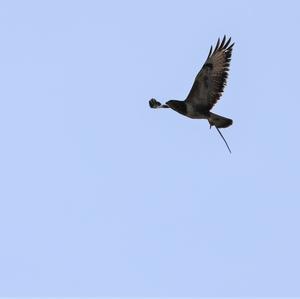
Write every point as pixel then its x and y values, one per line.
pixel 207 89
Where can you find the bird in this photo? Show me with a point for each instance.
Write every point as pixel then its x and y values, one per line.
pixel 207 89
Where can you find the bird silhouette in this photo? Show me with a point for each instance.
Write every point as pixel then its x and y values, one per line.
pixel 207 89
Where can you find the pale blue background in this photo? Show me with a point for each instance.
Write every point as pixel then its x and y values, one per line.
pixel 102 196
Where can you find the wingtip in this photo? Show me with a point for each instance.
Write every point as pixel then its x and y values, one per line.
pixel 210 50
pixel 223 42
pixel 217 45
pixel 231 46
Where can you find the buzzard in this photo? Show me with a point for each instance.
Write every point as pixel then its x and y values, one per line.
pixel 207 89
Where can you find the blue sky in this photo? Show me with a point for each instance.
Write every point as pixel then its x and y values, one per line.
pixel 102 196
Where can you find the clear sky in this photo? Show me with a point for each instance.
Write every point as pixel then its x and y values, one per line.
pixel 102 196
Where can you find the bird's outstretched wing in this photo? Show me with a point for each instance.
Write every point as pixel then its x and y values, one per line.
pixel 211 80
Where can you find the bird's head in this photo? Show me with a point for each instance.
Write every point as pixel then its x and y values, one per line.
pixel 179 106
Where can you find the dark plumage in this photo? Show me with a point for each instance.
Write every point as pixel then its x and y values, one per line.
pixel 207 88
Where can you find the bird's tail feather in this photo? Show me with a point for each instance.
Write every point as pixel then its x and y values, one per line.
pixel 219 121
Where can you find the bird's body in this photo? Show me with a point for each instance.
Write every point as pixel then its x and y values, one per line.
pixel 194 112
pixel 187 109
pixel 207 89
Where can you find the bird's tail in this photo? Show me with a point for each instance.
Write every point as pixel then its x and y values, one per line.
pixel 219 121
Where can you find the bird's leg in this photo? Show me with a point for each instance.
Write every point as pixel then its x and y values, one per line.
pixel 156 104
pixel 223 139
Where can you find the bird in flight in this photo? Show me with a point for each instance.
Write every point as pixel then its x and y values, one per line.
pixel 207 89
